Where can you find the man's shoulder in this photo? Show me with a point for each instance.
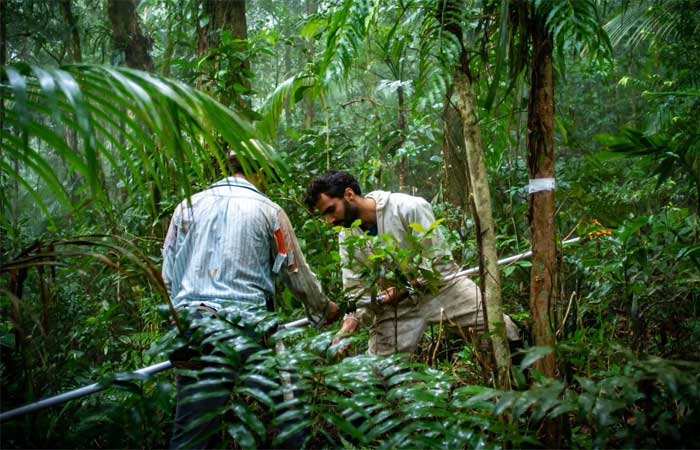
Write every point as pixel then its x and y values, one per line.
pixel 403 202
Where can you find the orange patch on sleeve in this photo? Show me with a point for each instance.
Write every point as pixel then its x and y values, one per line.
pixel 282 248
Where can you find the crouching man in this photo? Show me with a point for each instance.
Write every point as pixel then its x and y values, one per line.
pixel 395 326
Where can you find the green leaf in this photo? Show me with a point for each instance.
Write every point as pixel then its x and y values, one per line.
pixel 241 435
pixel 535 354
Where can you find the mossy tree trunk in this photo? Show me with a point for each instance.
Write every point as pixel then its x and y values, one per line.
pixel 483 214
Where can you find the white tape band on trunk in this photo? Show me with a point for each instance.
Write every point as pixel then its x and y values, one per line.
pixel 540 184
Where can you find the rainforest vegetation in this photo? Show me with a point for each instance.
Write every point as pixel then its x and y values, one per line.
pixel 113 111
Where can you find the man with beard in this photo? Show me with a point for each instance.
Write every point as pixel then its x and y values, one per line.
pixel 395 326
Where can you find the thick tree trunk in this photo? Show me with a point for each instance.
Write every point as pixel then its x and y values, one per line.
pixel 228 15
pixel 127 35
pixel 540 161
pixel 484 215
pixel 76 53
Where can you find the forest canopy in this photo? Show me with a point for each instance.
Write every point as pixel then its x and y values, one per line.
pixel 564 128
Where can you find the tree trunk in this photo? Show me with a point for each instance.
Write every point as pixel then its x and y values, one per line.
pixel 454 156
pixel 402 139
pixel 174 31
pixel 14 197
pixel 127 35
pixel 3 63
pixel 76 53
pixel 540 162
pixel 228 15
pixel 481 197
pixel 76 56
pixel 311 8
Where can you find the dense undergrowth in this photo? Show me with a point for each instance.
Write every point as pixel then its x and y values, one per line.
pixel 94 160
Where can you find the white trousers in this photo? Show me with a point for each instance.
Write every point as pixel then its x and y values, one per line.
pixel 399 328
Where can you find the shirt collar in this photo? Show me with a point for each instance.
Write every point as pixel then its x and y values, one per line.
pixel 235 181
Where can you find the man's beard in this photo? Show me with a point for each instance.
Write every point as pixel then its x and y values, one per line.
pixel 352 213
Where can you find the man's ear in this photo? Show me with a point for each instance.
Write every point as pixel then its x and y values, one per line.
pixel 349 194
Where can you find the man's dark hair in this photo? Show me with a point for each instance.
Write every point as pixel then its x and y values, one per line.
pixel 233 165
pixel 333 184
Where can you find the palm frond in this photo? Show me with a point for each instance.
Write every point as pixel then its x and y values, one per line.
pixel 290 91
pixel 643 21
pixel 576 22
pixel 438 54
pixel 154 135
pixel 344 40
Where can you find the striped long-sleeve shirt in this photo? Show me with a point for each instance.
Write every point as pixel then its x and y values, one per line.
pixel 225 245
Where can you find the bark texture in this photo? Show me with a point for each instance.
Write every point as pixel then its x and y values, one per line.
pixel 127 34
pixel 540 162
pixel 454 157
pixel 76 53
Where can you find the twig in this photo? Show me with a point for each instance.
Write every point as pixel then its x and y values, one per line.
pixel 437 345
pixel 566 314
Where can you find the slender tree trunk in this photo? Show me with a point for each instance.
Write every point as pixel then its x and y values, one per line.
pixel 76 53
pixel 311 8
pixel 483 212
pixel 14 197
pixel 174 29
pixel 76 56
pixel 402 138
pixel 540 161
pixel 288 101
pixel 487 227
pixel 3 63
pixel 127 34
pixel 454 156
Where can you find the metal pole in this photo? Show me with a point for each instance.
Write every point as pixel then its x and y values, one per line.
pixel 166 365
pixel 464 273
pixel 510 259
pixel 77 393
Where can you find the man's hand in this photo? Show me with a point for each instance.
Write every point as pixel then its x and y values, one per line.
pixel 391 296
pixel 350 325
pixel 332 313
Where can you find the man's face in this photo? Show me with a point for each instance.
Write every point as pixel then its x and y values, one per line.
pixel 337 211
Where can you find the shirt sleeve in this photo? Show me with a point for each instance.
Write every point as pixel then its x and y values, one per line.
pixel 169 250
pixel 296 274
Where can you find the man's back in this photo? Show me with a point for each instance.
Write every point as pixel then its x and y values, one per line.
pixel 219 247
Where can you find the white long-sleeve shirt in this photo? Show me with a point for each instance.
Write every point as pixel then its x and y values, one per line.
pixel 225 245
